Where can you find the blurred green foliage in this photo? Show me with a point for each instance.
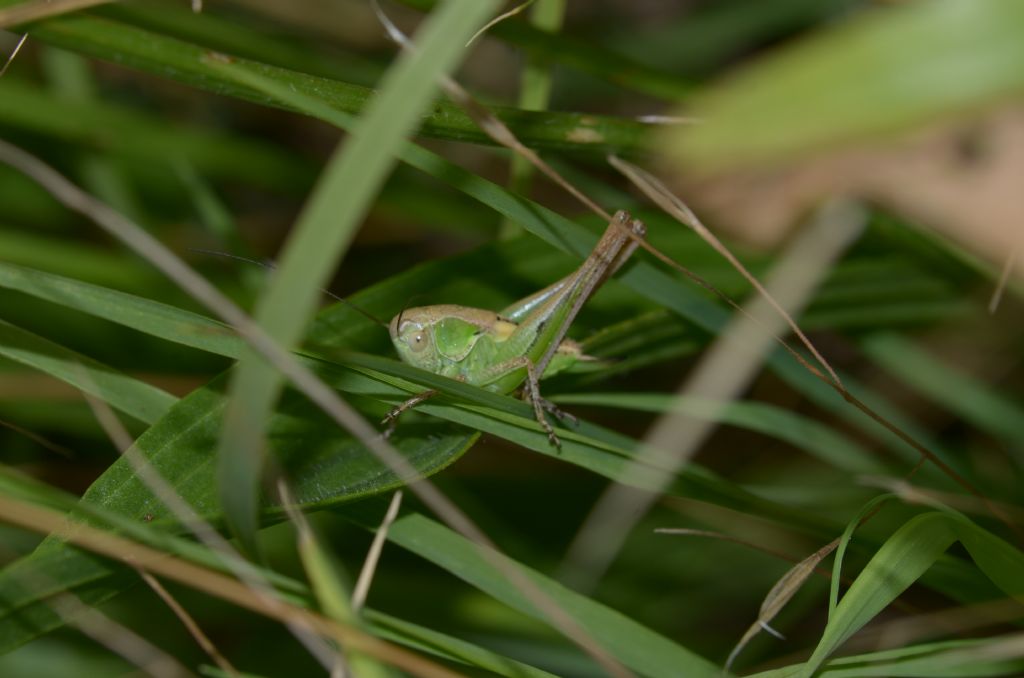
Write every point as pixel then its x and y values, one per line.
pixel 218 152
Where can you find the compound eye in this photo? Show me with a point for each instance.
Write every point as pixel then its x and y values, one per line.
pixel 417 342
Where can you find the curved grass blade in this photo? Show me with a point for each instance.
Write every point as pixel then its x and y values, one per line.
pixel 902 560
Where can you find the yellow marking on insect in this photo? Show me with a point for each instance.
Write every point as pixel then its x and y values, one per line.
pixel 503 329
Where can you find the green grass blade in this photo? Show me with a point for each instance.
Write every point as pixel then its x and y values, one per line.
pixel 1001 562
pixel 189 63
pixel 904 557
pixel 145 315
pixel 334 212
pixel 76 260
pixel 802 432
pixel 844 544
pixel 133 397
pixel 973 658
pixel 149 139
pixel 448 647
pixel 636 646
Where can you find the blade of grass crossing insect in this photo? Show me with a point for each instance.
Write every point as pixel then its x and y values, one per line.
pixel 339 202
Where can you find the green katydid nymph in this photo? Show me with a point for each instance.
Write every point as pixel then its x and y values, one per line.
pixel 517 346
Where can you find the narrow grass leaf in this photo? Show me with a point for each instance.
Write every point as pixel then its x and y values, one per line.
pixel 442 645
pixel 190 64
pixel 904 558
pixel 809 435
pixel 133 397
pixel 973 658
pixel 152 317
pixel 781 593
pixel 844 544
pixel 148 139
pixel 638 647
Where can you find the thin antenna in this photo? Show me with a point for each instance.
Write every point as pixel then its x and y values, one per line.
pixel 269 265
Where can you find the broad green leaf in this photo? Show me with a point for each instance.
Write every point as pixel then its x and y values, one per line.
pixel 887 70
pixel 326 467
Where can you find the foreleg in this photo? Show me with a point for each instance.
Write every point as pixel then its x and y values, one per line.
pixel 390 420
